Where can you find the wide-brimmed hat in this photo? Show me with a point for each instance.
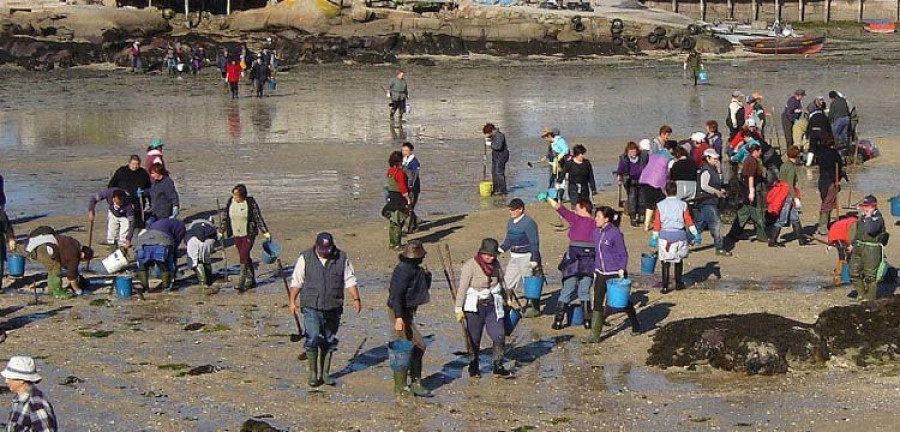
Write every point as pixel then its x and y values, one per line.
pixel 489 246
pixel 21 368
pixel 546 131
pixel 413 250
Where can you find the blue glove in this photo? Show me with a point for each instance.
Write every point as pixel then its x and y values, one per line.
pixel 654 242
pixel 697 239
pixel 175 212
pixel 140 193
pixel 542 196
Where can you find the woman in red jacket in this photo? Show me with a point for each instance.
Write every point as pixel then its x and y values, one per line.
pixel 233 76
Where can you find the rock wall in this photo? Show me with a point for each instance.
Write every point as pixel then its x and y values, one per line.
pixel 94 24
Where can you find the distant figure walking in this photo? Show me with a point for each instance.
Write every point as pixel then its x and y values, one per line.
pixel 398 91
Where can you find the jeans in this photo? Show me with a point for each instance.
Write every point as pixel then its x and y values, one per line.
pixel 321 327
pixel 708 218
pixel 840 128
pixel 576 285
pixel 498 171
pixel 788 214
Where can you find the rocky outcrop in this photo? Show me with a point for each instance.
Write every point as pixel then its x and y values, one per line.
pixel 311 16
pixel 767 344
pixel 94 24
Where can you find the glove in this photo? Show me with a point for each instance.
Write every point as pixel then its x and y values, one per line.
pixel 654 241
pixel 267 235
pixel 175 212
pixel 797 203
pixel 140 193
pixel 459 314
pixel 697 239
pixel 542 196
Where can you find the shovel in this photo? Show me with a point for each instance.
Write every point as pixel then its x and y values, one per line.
pixel 87 266
pixel 299 336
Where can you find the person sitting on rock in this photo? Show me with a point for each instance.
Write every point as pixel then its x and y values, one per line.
pixel 58 252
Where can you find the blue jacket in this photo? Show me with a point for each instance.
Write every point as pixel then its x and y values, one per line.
pixel 173 228
pixel 163 197
pixel 612 255
pixel 523 237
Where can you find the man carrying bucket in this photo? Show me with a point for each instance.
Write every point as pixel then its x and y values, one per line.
pixel 119 218
pixel 320 277
pixel 58 252
pixel 869 237
pixel 409 287
pixel 524 248
pixel 499 157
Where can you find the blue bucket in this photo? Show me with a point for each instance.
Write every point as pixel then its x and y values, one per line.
pixel 270 251
pixel 895 206
pixel 702 77
pixel 15 265
pixel 123 286
pixel 648 263
pixel 552 193
pixel 576 315
pixel 618 292
pixel 533 287
pixel 845 273
pixel 510 320
pixel 400 353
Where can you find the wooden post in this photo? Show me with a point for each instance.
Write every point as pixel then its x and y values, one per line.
pixel 703 10
pixel 187 11
pixel 227 7
pixel 778 10
pixel 755 10
pixel 802 10
pixel 731 9
pixel 675 6
pixel 860 17
pixel 827 10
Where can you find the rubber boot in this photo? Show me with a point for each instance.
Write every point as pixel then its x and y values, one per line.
pixel 251 276
pixel 648 219
pixel 167 282
pixel 415 375
pixel 474 371
pixel 533 310
pixel 325 367
pixel 499 370
pixel 559 320
pixel 312 357
pixel 200 272
pixel 144 279
pixel 596 328
pixel 55 289
pixel 666 270
pixel 773 237
pixel 798 232
pixel 207 269
pixel 400 387
pixel 679 276
pixel 822 227
pixel 243 279
pixel 394 234
pixel 586 313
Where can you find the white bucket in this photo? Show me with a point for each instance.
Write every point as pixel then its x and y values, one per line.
pixel 115 262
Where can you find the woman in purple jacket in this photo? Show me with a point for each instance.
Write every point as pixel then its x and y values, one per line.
pixel 577 265
pixel 611 261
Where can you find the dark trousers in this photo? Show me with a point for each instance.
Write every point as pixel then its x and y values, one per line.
pixel 828 191
pixel 787 124
pixel 233 86
pixel 632 191
pixel 599 304
pixel 485 319
pixel 398 105
pixel 498 171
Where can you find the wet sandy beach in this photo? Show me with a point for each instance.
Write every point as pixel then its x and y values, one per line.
pixel 314 154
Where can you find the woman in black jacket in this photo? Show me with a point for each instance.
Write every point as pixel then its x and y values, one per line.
pixel 409 289
pixel 243 222
pixel 581 175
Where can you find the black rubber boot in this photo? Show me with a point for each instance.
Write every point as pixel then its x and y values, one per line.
pixel 499 370
pixel 473 365
pixel 666 269
pixel 312 357
pixel 586 313
pixel 533 310
pixel 144 279
pixel 559 320
pixel 251 276
pixel 798 232
pixel 243 279
pixel 209 274
pixel 773 237
pixel 325 367
pixel 679 276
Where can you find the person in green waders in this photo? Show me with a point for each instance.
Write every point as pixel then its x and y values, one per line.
pixel 695 63
pixel 397 199
pixel 869 237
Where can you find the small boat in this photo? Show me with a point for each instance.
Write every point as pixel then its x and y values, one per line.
pixel 879 26
pixel 736 33
pixel 785 45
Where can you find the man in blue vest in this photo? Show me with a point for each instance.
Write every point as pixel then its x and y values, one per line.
pixel 320 277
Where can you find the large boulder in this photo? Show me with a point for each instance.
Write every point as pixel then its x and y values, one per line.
pixel 867 333
pixel 759 343
pixel 311 16
pixel 95 24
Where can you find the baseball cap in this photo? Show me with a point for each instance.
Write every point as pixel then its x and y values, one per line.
pixel 516 203
pixel 800 92
pixel 698 136
pixel 737 94
pixel 325 243
pixel 710 153
pixel 868 201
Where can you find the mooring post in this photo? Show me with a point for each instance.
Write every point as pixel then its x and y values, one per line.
pixel 703 10
pixel 802 10
pixel 860 17
pixel 755 10
pixel 827 10
pixel 675 6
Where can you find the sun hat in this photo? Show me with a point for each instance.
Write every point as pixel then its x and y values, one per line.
pixel 737 94
pixel 413 250
pixel 489 246
pixel 546 131
pixel 21 368
pixel 710 153
pixel 698 137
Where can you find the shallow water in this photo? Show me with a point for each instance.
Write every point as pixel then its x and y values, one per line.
pixel 319 144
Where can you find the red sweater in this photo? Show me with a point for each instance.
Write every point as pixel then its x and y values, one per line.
pixel 233 72
pixel 400 177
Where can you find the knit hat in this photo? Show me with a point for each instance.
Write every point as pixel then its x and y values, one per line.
pixel 21 368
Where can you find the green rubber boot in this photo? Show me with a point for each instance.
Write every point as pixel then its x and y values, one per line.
pixel 415 377
pixel 534 309
pixel 596 328
pixel 325 368
pixel 400 387
pixel 243 279
pixel 394 236
pixel 200 272
pixel 55 289
pixel 313 362
pixel 251 277
pixel 144 279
